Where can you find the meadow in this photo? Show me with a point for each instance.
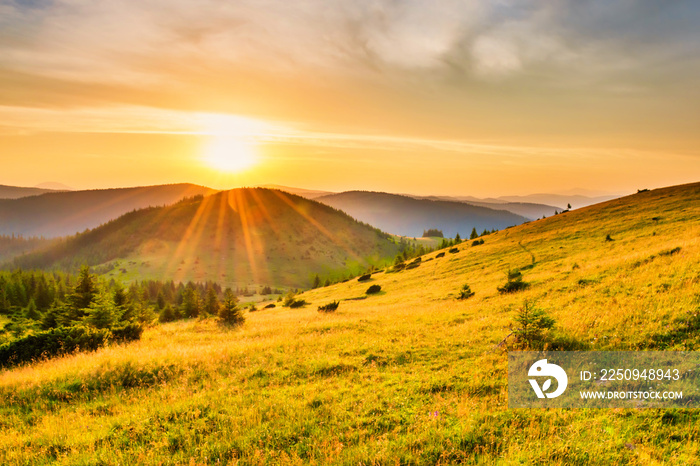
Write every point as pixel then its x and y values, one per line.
pixel 410 375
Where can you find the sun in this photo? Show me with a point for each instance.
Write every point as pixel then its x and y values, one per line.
pixel 231 144
pixel 230 154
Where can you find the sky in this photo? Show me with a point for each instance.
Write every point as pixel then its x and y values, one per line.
pixel 449 97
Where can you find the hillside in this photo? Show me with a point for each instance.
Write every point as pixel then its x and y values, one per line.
pixel 16 192
pixel 241 237
pixel 529 210
pixel 65 213
pixel 14 246
pixel 411 375
pixel 407 216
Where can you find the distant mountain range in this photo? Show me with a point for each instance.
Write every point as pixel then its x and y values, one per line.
pixel 57 214
pixel 532 206
pixel 408 216
pixel 560 200
pixel 528 210
pixel 307 193
pixel 15 192
pixel 250 236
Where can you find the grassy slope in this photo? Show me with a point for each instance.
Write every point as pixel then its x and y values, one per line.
pixel 409 376
pixel 243 237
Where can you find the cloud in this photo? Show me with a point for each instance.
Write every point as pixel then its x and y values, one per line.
pixel 462 64
pixel 109 40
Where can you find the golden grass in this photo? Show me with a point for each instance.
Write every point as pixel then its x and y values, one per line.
pixel 408 376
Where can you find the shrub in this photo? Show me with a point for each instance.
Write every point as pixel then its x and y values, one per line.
pixel 399 267
pixel 330 307
pixel 670 252
pixel 167 314
pixel 466 292
pixel 412 265
pixel 608 238
pixel 454 250
pixel 364 277
pixel 514 283
pixel 531 324
pixel 477 242
pixel 127 332
pixel 442 254
pixel 373 289
pixel 270 306
pixel 53 342
pixel 296 303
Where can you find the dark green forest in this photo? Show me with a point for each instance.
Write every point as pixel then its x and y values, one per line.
pixel 52 313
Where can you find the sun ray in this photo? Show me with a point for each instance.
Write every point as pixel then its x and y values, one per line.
pixel 344 245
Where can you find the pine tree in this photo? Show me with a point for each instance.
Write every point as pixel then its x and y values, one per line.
pixel 474 234
pixel 55 317
pixel 211 304
pixel 102 312
pixel 190 302
pixel 230 314
pixel 83 294
pixel 31 312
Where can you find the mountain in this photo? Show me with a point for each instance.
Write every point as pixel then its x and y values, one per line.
pixel 407 216
pixel 410 375
pixel 16 192
pixel 560 200
pixel 66 213
pixel 241 237
pixel 529 210
pixel 52 185
pixel 307 193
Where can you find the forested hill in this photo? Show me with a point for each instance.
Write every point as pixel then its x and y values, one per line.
pixel 407 216
pixel 238 237
pixel 65 213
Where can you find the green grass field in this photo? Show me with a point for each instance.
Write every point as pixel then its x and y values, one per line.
pixel 410 375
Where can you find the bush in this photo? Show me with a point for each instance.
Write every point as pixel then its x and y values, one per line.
pixel 531 324
pixel 608 238
pixel 330 307
pixel 53 342
pixel 167 314
pixel 466 292
pixel 477 242
pixel 399 267
pixel 270 306
pixel 373 289
pixel 127 332
pixel 514 283
pixel 364 277
pixel 412 265
pixel 442 254
pixel 670 252
pixel 231 316
pixel 454 251
pixel 296 303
